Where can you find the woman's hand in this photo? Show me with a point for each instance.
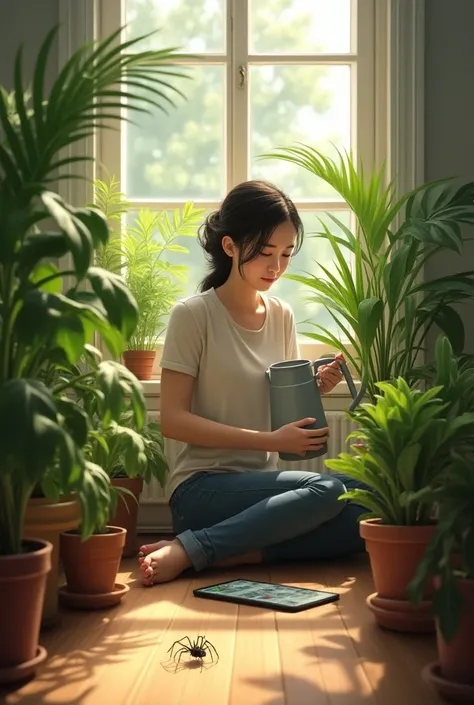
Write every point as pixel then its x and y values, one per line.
pixel 330 375
pixel 293 438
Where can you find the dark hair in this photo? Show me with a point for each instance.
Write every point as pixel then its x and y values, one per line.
pixel 249 215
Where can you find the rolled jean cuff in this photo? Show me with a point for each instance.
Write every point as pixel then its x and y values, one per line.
pixel 194 549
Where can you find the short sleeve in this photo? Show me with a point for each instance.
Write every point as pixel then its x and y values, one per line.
pixel 183 342
pixel 292 348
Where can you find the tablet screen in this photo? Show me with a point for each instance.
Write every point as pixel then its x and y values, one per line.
pixel 270 593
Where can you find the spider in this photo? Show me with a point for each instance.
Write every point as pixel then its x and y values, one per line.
pixel 197 649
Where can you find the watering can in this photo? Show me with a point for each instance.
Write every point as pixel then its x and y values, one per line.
pixel 294 395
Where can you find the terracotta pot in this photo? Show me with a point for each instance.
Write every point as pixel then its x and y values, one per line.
pixel 127 512
pixel 456 658
pixel 140 362
pixel 395 552
pixel 45 520
pixel 22 590
pixel 91 566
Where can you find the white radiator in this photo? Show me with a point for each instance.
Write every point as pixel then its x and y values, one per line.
pixel 154 514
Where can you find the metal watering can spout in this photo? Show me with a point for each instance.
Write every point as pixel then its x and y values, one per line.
pixel 356 396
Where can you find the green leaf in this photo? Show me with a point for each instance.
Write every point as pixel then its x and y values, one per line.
pixel 97 499
pixel 95 223
pixel 79 237
pixel 39 246
pixel 16 225
pixel 51 319
pixel 464 282
pixel 406 465
pixel 426 567
pixel 448 605
pixel 116 298
pixel 452 325
pixel 370 314
pixel 95 320
pixel 71 337
pixel 30 433
pixel 47 271
pixel 394 276
pixel 76 419
pixel 120 388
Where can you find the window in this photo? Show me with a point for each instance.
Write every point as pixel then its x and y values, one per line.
pixel 267 73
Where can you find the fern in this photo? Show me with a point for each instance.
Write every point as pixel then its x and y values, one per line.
pixel 139 251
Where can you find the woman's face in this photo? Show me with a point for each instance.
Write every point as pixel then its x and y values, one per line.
pixel 268 266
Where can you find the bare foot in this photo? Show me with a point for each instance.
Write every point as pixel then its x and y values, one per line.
pixel 162 561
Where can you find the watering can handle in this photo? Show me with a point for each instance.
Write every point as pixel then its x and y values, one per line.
pixel 356 396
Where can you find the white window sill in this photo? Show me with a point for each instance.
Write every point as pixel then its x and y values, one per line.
pixel 152 388
pixel 337 400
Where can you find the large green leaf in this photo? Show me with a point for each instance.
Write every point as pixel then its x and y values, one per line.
pixel 451 323
pixel 76 419
pixel 52 319
pixel 118 301
pixel 119 386
pixel 98 502
pixel 30 432
pixel 370 316
pixel 39 246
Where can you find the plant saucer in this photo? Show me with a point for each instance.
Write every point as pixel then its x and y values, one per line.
pixel 401 621
pixel 450 690
pixel 22 671
pixel 84 601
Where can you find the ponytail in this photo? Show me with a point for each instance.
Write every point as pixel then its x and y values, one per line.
pixel 220 264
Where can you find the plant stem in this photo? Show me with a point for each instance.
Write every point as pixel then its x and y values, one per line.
pixel 51 277
pixel 7 325
pixel 12 513
pixel 71 382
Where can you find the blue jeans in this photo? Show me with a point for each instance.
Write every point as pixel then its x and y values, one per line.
pixel 288 514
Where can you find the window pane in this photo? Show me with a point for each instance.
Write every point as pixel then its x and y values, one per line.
pixel 289 104
pixel 195 26
pixel 314 250
pixel 180 155
pixel 299 26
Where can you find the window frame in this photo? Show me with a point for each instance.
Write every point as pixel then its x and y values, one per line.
pixel 396 28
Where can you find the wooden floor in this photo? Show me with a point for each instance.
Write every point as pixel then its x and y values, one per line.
pixel 331 655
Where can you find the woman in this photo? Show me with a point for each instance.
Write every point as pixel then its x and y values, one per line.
pixel 230 505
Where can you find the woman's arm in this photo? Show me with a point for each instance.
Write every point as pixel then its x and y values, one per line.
pixel 179 423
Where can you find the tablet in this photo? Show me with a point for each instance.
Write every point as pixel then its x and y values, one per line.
pixel 285 598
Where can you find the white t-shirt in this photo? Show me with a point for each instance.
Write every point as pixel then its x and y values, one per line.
pixel 228 363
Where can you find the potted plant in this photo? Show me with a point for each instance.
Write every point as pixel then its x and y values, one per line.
pixel 49 512
pixel 403 444
pixel 450 558
pixel 380 309
pixel 130 455
pixel 91 565
pixel 40 322
pixel 125 476
pixel 140 250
